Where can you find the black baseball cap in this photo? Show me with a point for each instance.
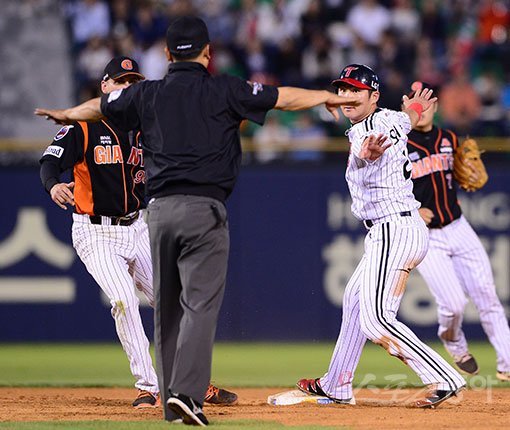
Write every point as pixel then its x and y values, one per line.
pixel 186 34
pixel 359 76
pixel 121 66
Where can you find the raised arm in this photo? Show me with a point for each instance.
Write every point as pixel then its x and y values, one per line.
pixel 291 99
pixel 87 111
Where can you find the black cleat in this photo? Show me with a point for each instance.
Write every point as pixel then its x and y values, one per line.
pixel 436 397
pixel 190 411
pixel 467 364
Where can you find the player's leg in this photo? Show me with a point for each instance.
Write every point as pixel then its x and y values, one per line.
pixel 395 249
pixel 142 263
pixel 438 271
pixel 337 382
pixel 473 268
pixel 98 247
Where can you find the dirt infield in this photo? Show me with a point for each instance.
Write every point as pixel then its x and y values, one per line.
pixel 381 409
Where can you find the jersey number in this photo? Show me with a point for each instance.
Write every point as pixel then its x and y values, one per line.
pixel 395 135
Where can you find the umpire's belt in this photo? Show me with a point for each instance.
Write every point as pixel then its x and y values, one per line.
pixel 370 223
pixel 113 220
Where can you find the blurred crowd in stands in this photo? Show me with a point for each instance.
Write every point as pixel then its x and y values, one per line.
pixel 461 47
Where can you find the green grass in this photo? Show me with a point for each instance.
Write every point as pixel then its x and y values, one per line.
pixel 234 364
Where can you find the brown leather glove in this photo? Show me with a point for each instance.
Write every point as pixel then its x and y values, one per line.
pixel 468 168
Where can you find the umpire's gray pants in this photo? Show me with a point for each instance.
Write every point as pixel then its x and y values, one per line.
pixel 189 245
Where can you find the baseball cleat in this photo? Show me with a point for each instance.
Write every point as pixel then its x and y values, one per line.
pixel 219 396
pixel 312 387
pixel 146 400
pixel 436 397
pixel 467 364
pixel 190 411
pixel 503 376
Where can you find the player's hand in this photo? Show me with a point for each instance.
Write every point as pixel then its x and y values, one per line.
pixel 426 214
pixel 62 194
pixel 373 147
pixel 58 116
pixel 335 101
pixel 422 96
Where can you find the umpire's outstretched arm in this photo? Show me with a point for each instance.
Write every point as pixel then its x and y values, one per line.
pixel 289 99
pixel 292 99
pixel 88 111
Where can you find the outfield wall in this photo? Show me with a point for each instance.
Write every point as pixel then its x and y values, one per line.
pixel 294 245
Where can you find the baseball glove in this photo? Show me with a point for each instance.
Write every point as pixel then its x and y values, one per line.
pixel 468 168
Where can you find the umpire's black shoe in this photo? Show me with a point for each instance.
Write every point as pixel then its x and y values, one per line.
pixel 467 364
pixel 436 397
pixel 187 408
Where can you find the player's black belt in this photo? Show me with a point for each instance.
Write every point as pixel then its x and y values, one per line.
pixel 369 223
pixel 113 220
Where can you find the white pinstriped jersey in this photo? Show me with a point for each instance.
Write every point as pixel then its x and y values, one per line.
pixel 382 187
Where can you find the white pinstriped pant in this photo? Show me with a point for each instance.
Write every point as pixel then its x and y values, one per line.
pixel 119 259
pixel 393 246
pixel 457 265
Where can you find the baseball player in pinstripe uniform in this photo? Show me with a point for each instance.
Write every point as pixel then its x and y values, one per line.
pixel 108 233
pixel 456 264
pixel 379 178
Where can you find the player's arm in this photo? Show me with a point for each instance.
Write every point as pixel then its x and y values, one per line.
pixel 61 192
pixel 65 150
pixel 293 99
pixel 414 106
pixel 87 111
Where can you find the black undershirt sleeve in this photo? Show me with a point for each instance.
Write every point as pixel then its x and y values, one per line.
pixel 50 174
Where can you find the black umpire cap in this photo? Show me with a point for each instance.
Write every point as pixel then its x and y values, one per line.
pixel 121 66
pixel 186 35
pixel 359 76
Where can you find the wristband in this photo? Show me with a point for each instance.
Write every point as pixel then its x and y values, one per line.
pixel 417 107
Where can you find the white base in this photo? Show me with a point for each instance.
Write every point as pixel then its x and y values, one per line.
pixel 294 397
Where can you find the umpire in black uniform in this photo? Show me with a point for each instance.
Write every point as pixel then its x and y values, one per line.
pixel 190 122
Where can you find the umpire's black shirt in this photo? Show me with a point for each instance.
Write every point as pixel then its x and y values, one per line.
pixel 190 122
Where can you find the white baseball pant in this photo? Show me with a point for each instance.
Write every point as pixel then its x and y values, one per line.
pixel 393 247
pixel 457 265
pixel 119 259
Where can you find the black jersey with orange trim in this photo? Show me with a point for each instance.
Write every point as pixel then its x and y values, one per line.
pixel 107 167
pixel 434 186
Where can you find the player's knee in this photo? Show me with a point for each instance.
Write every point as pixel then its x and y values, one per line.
pixel 121 305
pixel 373 329
pixel 453 311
